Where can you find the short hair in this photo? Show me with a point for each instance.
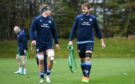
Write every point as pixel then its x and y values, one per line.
pixel 16 28
pixel 43 8
pixel 86 5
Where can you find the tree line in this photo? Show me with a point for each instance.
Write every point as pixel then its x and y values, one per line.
pixel 116 17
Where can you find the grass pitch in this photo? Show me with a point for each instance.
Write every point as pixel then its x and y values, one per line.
pixel 104 71
pixel 115 48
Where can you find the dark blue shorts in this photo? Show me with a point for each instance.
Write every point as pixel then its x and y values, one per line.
pixel 43 48
pixel 82 48
pixel 22 52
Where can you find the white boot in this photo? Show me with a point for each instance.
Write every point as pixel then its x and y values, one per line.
pixel 41 80
pixel 48 80
pixel 24 71
pixel 18 71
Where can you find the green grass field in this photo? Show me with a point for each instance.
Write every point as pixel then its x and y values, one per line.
pixel 115 48
pixel 113 65
pixel 104 71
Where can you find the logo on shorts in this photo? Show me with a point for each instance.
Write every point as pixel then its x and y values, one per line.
pixel 91 48
pixel 25 51
pixel 78 50
pixel 37 50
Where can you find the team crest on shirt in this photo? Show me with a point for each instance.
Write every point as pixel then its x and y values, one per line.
pixel 81 19
pixel 50 21
pixel 90 19
pixel 40 20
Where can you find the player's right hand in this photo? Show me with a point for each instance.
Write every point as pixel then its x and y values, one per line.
pixel 57 46
pixel 33 43
pixel 70 43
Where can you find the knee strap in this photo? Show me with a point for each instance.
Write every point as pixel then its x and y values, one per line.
pixel 51 54
pixel 88 55
pixel 40 57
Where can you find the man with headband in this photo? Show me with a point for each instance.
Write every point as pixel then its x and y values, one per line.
pixel 44 26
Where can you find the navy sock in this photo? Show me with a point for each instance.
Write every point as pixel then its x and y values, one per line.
pixel 87 69
pixel 41 75
pixel 48 72
pixel 83 67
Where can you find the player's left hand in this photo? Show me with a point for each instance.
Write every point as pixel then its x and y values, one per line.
pixel 103 45
pixel 57 46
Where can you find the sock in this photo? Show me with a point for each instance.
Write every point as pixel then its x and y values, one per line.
pixel 87 69
pixel 82 67
pixel 48 72
pixel 20 68
pixel 45 63
pixel 41 75
pixel 24 69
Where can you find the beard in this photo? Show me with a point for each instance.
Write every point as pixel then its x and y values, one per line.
pixel 85 12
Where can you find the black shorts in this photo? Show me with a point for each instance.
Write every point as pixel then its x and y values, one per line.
pixel 82 48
